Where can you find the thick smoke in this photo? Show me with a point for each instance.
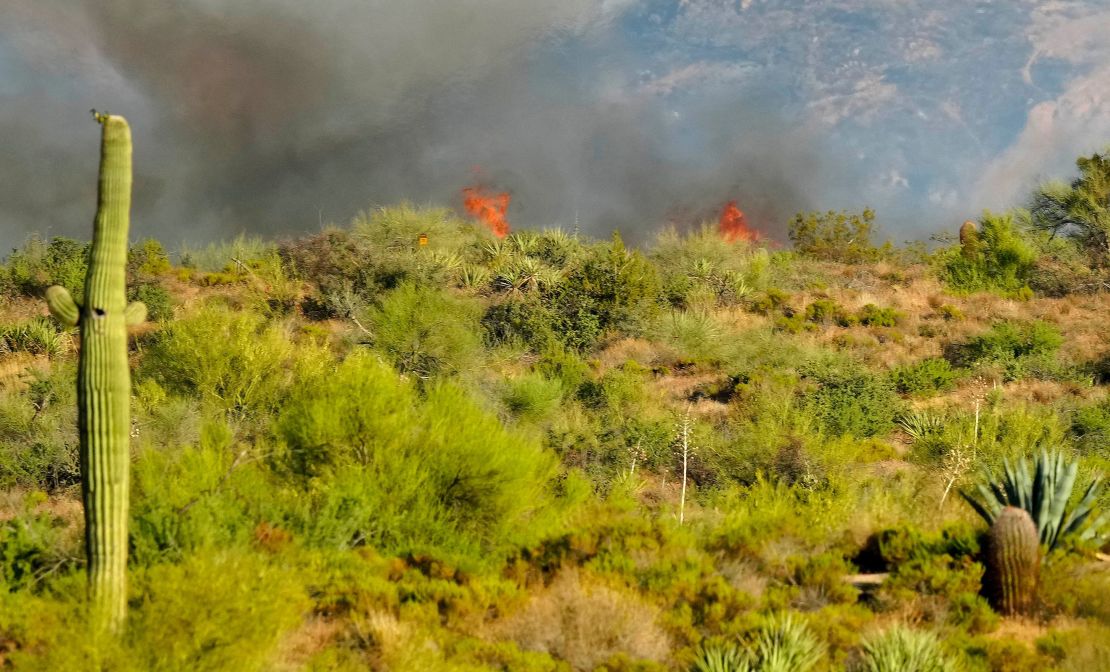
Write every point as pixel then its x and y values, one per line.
pixel 275 116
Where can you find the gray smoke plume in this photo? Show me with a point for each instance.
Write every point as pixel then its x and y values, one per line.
pixel 272 116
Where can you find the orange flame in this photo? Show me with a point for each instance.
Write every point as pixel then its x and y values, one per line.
pixel 489 208
pixel 733 226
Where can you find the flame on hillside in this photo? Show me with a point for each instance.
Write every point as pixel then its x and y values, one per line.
pixel 488 208
pixel 733 226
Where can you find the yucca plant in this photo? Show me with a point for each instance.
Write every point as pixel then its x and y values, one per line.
pixel 722 658
pixel 784 644
pixel 1044 493
pixel 901 649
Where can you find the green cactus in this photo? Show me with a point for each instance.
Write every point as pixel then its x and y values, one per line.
pixel 1044 494
pixel 1013 561
pixel 103 378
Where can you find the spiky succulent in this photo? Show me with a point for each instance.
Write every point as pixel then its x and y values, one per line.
pixel 901 649
pixel 1044 493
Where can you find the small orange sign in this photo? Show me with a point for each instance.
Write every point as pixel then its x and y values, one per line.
pixel 422 239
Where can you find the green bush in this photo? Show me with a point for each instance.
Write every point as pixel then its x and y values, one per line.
pixel 38 432
pixel 38 336
pixel 427 332
pixel 874 316
pixel 612 289
pixel 159 303
pixel 845 398
pixel 37 265
pixel 533 396
pixel 926 377
pixel 32 547
pixel 523 321
pixel 827 311
pixel 219 611
pixel 998 257
pixel 439 475
pixel 835 236
pixel 1018 349
pixel 147 261
pixel 233 361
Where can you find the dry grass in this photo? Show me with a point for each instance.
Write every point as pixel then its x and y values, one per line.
pixel 583 622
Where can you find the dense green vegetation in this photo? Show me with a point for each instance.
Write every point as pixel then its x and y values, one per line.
pixel 351 451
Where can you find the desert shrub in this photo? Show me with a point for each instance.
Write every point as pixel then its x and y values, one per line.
pixel 827 311
pixel 845 398
pixel 427 332
pixel 37 265
pixel 697 336
pixel 1077 649
pixel 611 289
pixel 757 517
pixel 769 301
pixel 146 261
pixel 1075 586
pixel 520 320
pixel 997 257
pixel 1078 210
pixel 195 499
pixel 949 313
pixel 159 303
pixel 1018 349
pixel 220 611
pixel 933 578
pixel 228 255
pixel 533 396
pixel 32 547
pixel 1090 427
pixel 564 365
pixel 900 649
pixel 585 623
pixel 703 267
pixel 38 336
pixel 38 432
pixel 439 475
pixel 835 236
pixel 233 361
pixel 874 316
pixel 926 377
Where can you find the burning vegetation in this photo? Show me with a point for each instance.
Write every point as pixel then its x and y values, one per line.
pixel 489 208
pixel 733 225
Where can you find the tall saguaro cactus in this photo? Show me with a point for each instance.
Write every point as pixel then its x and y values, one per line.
pixel 103 378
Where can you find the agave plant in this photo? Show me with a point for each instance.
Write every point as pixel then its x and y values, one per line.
pixel 722 658
pixel 1044 493
pixel 473 277
pixel 784 644
pixel 901 649
pixel 525 243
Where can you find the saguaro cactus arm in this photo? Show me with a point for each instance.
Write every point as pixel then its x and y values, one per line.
pixel 134 313
pixel 62 306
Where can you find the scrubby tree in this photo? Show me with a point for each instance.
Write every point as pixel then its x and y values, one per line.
pixel 1080 210
pixel 835 236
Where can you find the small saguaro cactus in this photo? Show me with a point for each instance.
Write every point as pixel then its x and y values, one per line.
pixel 103 378
pixel 1013 561
pixel 969 238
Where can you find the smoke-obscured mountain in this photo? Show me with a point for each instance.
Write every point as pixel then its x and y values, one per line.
pixel 274 116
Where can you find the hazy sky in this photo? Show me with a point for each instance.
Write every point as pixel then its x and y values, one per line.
pixel 273 116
